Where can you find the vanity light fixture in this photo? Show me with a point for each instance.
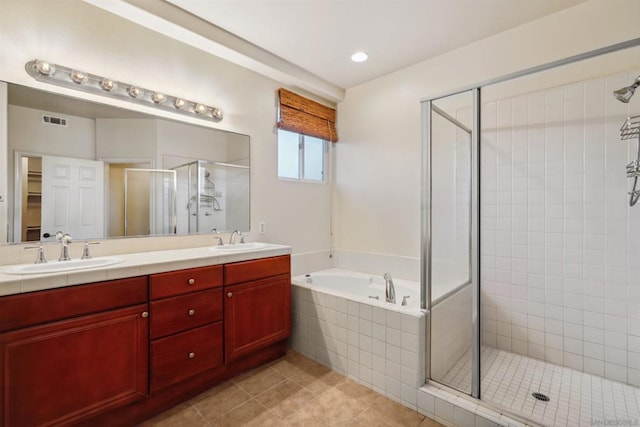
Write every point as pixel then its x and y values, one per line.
pixel 60 75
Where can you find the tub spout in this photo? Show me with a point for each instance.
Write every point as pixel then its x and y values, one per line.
pixel 390 290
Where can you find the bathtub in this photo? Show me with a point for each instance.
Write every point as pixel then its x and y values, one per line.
pixel 378 344
pixel 361 287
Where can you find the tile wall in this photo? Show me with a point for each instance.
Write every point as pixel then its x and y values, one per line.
pixel 560 244
pixel 376 347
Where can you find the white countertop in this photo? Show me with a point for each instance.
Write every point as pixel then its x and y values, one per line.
pixel 138 264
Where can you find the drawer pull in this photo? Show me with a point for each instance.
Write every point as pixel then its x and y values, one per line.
pixel 191 312
pixel 229 294
pixel 192 281
pixel 145 314
pixel 192 355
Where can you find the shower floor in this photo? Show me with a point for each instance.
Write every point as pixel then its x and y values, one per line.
pixel 576 398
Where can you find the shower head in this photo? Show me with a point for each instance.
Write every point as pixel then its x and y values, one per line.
pixel 625 94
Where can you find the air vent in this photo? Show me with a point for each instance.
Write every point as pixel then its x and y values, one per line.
pixel 56 121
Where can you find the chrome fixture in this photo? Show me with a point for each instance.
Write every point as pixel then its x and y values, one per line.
pixel 40 258
pixel 631 130
pixel 374 297
pixel 60 75
pixel 220 242
pixel 232 238
pixel 404 299
pixel 86 253
pixel 390 290
pixel 624 94
pixel 64 240
pixel 309 279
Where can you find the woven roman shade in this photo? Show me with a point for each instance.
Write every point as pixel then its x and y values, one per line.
pixel 303 115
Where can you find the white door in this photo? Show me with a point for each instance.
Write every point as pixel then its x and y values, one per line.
pixel 72 197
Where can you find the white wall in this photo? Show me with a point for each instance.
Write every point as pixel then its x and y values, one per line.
pixel 77 34
pixel 377 204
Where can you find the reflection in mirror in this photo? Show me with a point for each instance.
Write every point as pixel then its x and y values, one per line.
pixel 77 165
pixel 149 201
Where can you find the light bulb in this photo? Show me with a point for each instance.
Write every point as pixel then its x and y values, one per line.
pixel 45 68
pixel 217 113
pixel 108 85
pixel 179 103
pixel 158 98
pixel 135 92
pixel 78 76
pixel 201 109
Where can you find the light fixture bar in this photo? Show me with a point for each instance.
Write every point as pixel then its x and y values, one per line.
pixel 60 75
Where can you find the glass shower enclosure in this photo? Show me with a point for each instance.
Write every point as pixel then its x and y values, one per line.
pixel 212 196
pixel 531 240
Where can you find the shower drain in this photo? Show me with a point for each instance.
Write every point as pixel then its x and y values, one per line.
pixel 540 396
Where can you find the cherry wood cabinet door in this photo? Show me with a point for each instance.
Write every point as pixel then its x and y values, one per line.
pixel 256 314
pixel 59 373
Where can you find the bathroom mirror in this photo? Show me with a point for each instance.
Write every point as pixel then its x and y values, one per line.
pixel 97 171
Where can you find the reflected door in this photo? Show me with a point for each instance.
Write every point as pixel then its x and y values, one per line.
pixel 72 197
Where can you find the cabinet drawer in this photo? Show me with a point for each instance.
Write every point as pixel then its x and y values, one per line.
pixel 245 271
pixel 183 355
pixel 18 311
pixel 184 281
pixel 177 314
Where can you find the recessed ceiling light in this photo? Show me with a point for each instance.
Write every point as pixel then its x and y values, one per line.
pixel 359 57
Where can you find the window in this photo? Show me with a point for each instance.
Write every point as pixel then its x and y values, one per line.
pixel 301 157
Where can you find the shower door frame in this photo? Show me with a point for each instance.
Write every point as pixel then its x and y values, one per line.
pixel 426 202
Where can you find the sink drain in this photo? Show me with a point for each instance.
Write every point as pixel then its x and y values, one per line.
pixel 540 396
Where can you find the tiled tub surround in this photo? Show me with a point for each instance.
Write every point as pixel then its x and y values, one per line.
pixel 135 264
pixel 372 342
pixel 560 244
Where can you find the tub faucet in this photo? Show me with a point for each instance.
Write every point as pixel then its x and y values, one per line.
pixel 390 290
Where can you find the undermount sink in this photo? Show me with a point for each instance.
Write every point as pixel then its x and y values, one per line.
pixel 62 266
pixel 240 247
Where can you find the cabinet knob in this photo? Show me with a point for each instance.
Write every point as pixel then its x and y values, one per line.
pixel 145 314
pixel 192 355
pixel 229 294
pixel 192 281
pixel 191 312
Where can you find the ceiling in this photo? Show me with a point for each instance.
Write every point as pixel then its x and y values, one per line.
pixel 319 36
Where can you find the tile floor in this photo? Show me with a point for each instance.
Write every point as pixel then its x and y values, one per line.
pixel 291 391
pixel 576 398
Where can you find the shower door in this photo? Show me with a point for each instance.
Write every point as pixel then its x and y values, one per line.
pixel 450 215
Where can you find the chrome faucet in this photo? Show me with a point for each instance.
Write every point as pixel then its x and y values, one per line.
pixel 390 290
pixel 220 242
pixel 232 238
pixel 64 240
pixel 40 258
pixel 86 253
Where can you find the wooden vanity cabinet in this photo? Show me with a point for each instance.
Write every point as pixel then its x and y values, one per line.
pixel 59 366
pixel 186 324
pixel 257 305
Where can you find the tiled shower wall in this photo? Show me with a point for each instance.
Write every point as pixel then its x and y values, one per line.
pixel 560 247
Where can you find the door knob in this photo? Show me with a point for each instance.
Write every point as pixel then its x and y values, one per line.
pixel 191 312
pixel 229 294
